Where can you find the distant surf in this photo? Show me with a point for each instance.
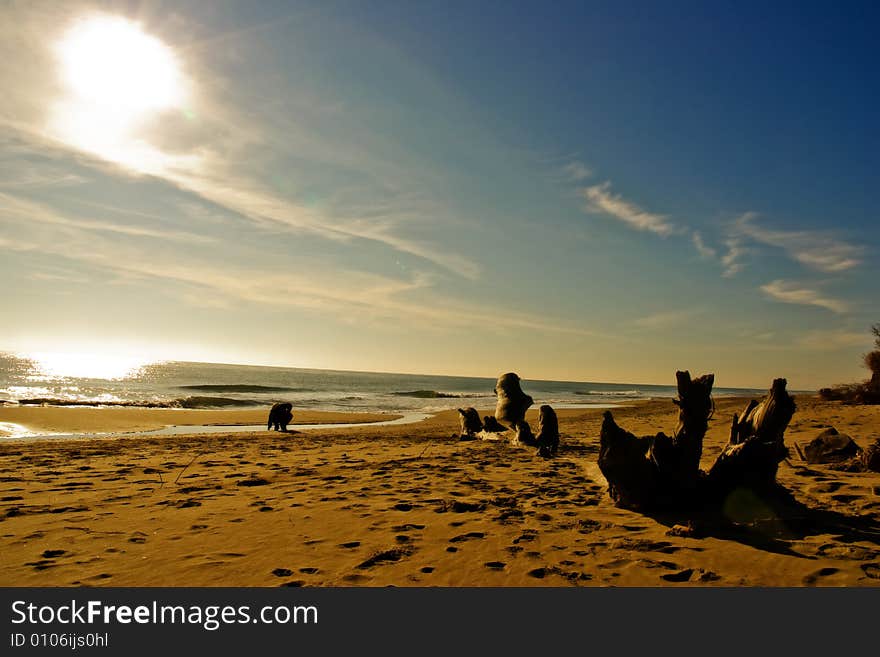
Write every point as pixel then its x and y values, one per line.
pixel 429 394
pixel 183 402
pixel 241 387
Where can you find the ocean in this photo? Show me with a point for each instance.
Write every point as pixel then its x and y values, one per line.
pixel 31 380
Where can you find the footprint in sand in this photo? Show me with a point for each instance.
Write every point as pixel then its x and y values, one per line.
pixel 467 537
pixel 528 535
pixel 386 556
pixel 495 565
pixel 350 544
pixel 813 578
pixel 872 570
pixel 681 576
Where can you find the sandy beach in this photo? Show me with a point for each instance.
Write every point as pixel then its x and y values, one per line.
pixel 406 505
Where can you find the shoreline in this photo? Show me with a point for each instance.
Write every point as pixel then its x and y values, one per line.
pixel 32 423
pixel 87 420
pixel 410 505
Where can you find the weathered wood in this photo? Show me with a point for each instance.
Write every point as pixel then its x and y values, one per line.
pixel 470 421
pixel 633 479
pixel 663 471
pixel 512 404
pixel 548 431
pixel 656 470
pixel 756 446
pixel 524 435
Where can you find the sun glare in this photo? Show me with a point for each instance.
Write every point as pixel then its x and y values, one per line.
pixel 115 77
pixel 112 63
pixel 86 366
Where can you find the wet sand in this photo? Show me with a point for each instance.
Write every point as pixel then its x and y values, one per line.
pixel 408 505
pixel 76 419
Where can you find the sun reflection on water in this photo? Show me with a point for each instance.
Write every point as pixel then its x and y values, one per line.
pixel 50 366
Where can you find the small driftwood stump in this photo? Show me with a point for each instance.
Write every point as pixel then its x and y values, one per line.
pixel 756 446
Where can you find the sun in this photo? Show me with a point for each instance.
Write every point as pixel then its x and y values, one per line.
pixel 112 63
pixel 115 78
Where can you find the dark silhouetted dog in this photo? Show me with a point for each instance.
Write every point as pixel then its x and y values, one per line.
pixel 280 416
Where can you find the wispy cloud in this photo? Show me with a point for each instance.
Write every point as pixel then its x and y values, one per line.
pixel 601 199
pixel 14 208
pixel 576 171
pixel 815 250
pixel 706 252
pixel 794 293
pixel 229 151
pixel 349 295
pixel 731 258
pixel 834 339
pixel 22 177
pixel 665 319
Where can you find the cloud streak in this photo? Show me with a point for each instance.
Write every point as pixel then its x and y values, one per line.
pixel 814 250
pixel 792 292
pixel 576 171
pixel 834 339
pixel 666 319
pixel 351 296
pixel 14 208
pixel 601 199
pixel 730 261
pixel 706 252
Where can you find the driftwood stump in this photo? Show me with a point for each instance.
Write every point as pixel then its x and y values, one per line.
pixel 664 471
pixel 756 446
pixel 657 470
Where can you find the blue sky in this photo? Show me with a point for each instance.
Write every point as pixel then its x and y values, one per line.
pixel 591 191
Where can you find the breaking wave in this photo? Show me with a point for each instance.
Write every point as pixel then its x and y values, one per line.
pixel 428 394
pixel 241 387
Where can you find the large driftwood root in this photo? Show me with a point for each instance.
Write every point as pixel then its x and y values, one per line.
pixel 657 470
pixel 664 471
